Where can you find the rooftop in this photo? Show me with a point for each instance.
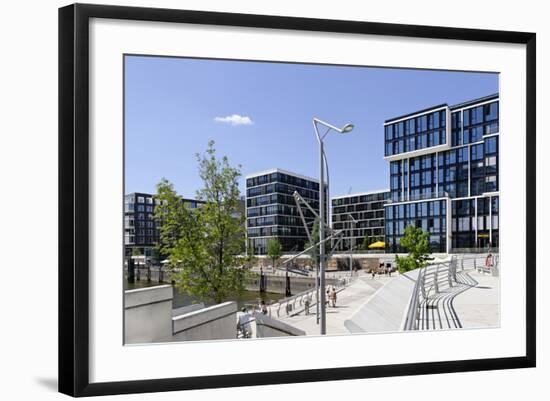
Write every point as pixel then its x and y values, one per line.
pixel 377 191
pixel 280 170
pixel 475 101
pixel 144 194
pixel 439 106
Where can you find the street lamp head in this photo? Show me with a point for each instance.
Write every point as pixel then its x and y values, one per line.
pixel 346 128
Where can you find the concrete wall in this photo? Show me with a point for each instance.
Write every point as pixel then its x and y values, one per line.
pixel 360 262
pixel 148 315
pixel 186 309
pixel 213 323
pixel 269 327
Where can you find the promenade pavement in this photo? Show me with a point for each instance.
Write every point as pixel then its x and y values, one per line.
pixel 349 300
pixel 380 305
pixel 479 306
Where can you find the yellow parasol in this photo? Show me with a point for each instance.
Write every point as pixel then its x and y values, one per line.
pixel 377 245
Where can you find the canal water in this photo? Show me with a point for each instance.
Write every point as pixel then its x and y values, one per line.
pixel 245 299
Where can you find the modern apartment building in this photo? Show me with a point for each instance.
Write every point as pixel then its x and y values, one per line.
pixel 140 228
pixel 271 210
pixel 444 175
pixel 360 215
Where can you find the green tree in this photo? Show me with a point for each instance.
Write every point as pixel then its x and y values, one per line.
pixel 203 244
pixel 136 252
pixel 156 255
pixel 416 242
pixel 274 250
pixel 173 218
pixel 249 259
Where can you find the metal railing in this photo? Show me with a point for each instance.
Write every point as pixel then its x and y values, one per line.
pixel 412 315
pixel 441 276
pixel 297 303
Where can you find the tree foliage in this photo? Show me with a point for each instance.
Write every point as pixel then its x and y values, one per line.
pixel 274 249
pixel 249 259
pixel 416 242
pixel 203 244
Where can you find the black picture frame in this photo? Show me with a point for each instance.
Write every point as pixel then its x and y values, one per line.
pixel 74 198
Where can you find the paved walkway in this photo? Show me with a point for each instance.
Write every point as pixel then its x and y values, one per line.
pixel 380 305
pixel 479 306
pixel 349 300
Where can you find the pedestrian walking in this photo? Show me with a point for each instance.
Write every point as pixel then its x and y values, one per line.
pixel 263 307
pixel 489 261
pixel 243 324
pixel 306 304
pixel 333 297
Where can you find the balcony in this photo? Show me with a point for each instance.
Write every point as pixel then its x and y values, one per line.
pixel 420 197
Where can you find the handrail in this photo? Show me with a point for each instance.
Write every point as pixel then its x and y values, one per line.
pixel 412 314
pixel 432 271
pixel 276 307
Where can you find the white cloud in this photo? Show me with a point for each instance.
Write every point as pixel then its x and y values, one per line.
pixel 235 119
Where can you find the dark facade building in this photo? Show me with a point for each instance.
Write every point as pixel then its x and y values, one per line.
pixel 444 175
pixel 140 228
pixel 271 210
pixel 367 209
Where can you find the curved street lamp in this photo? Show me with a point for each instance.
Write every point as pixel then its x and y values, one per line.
pixel 322 162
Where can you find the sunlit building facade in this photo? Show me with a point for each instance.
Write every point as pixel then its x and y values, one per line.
pixel 444 175
pixel 361 216
pixel 271 210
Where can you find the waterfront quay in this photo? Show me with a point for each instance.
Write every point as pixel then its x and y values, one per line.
pixel 456 292
pixel 453 292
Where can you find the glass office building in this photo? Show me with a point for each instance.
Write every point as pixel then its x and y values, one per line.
pixel 361 216
pixel 271 210
pixel 141 232
pixel 444 175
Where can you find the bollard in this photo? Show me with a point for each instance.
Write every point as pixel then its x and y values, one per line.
pixel 131 271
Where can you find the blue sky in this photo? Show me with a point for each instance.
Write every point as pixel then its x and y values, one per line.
pixel 260 116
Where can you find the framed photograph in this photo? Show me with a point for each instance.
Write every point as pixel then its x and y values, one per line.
pixel 252 199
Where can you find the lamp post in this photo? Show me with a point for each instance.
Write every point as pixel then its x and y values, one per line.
pixel 352 220
pixel 345 129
